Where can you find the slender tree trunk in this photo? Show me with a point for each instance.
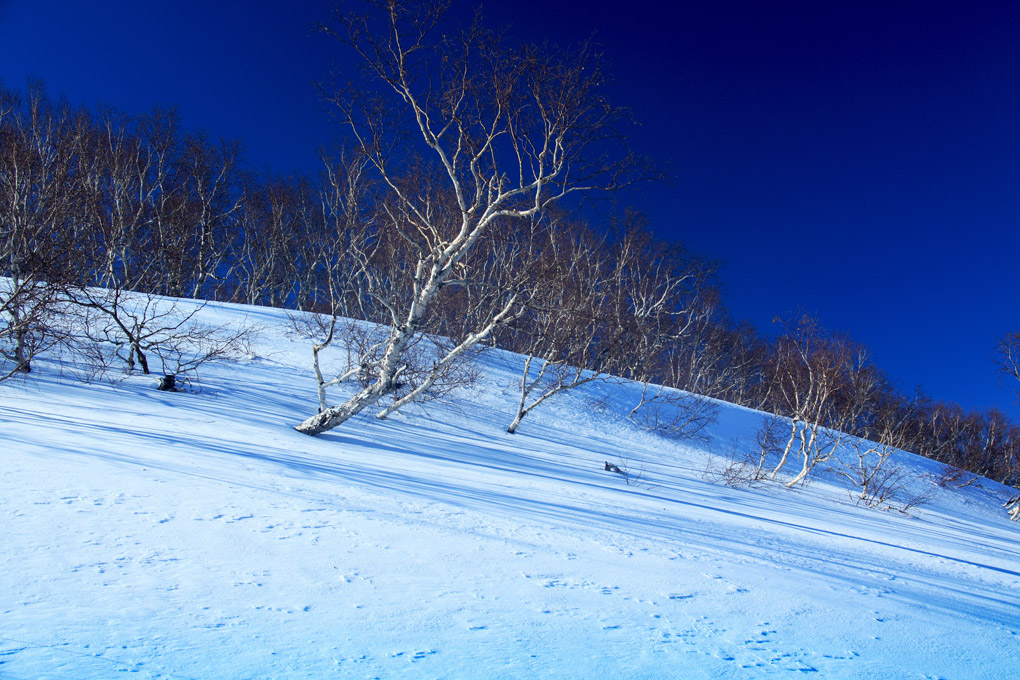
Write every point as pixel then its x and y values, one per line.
pixel 786 451
pixel 143 360
pixel 524 395
pixel 23 364
pixel 807 457
pixel 644 400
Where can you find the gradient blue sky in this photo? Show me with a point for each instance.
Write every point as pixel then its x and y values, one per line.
pixel 857 160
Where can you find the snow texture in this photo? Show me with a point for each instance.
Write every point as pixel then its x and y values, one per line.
pixel 197 535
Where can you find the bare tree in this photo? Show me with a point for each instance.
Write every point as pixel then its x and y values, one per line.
pixel 622 307
pixel 273 234
pixel 823 383
pixel 875 481
pixel 210 174
pixel 148 333
pixel 504 132
pixel 361 275
pixel 1009 356
pixel 39 201
pixel 194 198
pixel 661 292
pixel 344 260
pixel 664 298
pixel 723 360
pixel 569 330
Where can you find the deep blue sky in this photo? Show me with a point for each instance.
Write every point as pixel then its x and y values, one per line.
pixel 857 160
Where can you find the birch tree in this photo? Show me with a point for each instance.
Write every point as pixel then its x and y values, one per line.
pixel 276 232
pixel 118 180
pixel 570 336
pixel 39 148
pixel 665 297
pixel 825 385
pixel 194 199
pixel 1009 356
pixel 502 131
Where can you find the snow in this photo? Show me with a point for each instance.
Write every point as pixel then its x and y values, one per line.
pixel 196 535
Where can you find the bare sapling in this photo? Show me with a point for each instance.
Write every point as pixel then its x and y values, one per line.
pixel 569 337
pixel 149 334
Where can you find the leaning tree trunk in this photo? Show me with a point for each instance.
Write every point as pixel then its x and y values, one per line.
pixel 336 415
pixel 385 383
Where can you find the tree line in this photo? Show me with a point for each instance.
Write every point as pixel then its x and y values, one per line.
pixel 450 221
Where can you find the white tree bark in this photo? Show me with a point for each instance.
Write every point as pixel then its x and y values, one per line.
pixel 508 132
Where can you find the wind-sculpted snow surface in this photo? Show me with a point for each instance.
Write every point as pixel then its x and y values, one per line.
pixel 197 535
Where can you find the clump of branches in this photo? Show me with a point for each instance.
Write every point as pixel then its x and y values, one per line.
pixel 734 471
pixel 30 323
pixel 952 477
pixel 875 481
pixel 675 414
pixel 149 334
pixel 360 345
pixel 747 468
pixel 867 463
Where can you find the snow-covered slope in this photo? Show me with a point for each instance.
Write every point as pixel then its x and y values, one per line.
pixel 199 536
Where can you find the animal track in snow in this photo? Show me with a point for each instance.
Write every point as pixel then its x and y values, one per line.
pixel 414 656
pixel 556 581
